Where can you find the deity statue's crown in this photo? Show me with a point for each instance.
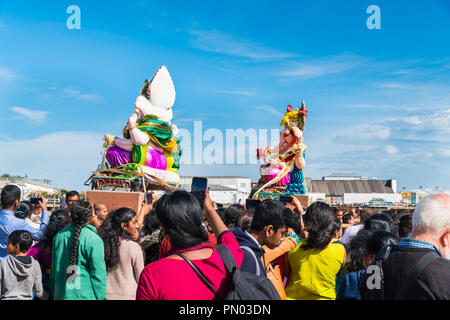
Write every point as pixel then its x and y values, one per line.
pixel 294 118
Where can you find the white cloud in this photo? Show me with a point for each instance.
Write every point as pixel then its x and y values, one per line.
pixel 310 71
pixel 271 110
pixel 72 93
pixel 391 149
pixel 7 75
pixel 428 126
pixel 415 120
pixel 75 155
pixel 214 41
pixel 395 85
pixel 33 115
pixel 90 97
pixel 362 133
pixel 318 67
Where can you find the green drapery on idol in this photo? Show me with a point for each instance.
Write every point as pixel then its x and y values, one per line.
pixel 160 133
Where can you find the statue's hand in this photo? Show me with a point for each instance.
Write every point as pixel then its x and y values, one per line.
pixel 132 121
pixel 302 148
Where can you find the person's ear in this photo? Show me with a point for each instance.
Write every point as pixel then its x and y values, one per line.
pixel 16 249
pixel 16 204
pixel 268 230
pixel 445 239
pixel 123 225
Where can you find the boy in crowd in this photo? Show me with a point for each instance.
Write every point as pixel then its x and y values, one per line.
pixel 267 228
pixel 20 275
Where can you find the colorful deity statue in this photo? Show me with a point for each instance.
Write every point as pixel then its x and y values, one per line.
pixel 149 138
pixel 284 164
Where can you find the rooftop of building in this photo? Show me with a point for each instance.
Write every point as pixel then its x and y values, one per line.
pixel 212 187
pixel 346 174
pixel 339 187
pixel 215 177
pixel 22 181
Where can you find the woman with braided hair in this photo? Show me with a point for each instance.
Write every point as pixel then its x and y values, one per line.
pixel 123 255
pixel 78 269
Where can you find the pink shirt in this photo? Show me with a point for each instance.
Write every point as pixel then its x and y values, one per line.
pixel 40 255
pixel 172 279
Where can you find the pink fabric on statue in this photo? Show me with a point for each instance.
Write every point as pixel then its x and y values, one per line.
pixel 172 279
pixel 156 159
pixel 117 157
pixel 273 172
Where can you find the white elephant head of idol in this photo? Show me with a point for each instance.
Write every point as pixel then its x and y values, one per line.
pixel 158 96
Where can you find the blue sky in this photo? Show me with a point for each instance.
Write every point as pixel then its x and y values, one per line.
pixel 379 100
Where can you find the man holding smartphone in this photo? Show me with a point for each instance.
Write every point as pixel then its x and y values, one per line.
pixel 10 201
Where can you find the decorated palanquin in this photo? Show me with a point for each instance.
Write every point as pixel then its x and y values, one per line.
pixel 149 152
pixel 282 171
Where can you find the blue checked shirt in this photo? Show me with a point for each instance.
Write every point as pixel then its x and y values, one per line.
pixel 415 243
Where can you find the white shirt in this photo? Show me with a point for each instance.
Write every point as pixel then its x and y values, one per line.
pixel 349 233
pixel 33 224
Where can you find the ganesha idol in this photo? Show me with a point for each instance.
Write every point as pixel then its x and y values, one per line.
pixel 149 138
pixel 284 163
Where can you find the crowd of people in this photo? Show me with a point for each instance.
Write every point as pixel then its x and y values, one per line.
pixel 176 248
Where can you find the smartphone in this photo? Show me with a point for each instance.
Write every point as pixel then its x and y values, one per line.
pixel 149 197
pixel 252 203
pixel 35 200
pixel 199 184
pixel 285 199
pixel 198 189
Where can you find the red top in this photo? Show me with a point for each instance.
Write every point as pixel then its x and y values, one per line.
pixel 164 251
pixel 172 279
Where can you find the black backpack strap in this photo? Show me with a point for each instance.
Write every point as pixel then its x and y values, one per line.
pixel 415 272
pixel 227 257
pixel 201 276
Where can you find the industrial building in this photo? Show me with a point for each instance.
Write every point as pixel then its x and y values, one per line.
pixel 352 188
pixel 30 186
pixel 223 189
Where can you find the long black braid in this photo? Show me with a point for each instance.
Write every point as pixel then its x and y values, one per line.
pixel 81 213
pixel 112 233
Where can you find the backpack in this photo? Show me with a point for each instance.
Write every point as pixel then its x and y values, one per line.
pixel 243 285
